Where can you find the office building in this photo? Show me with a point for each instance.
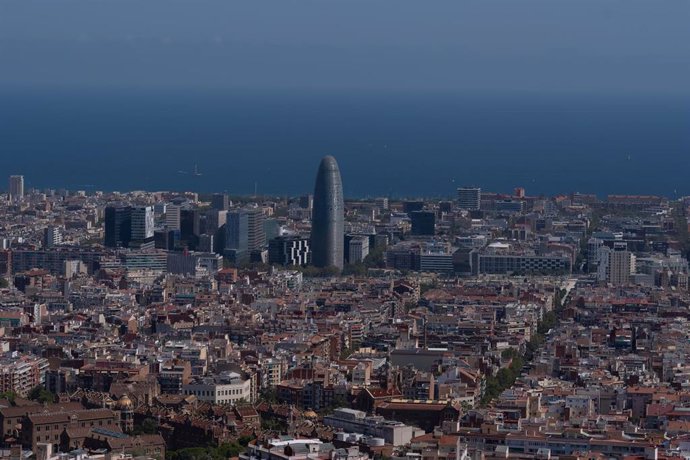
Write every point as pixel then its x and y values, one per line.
pixel 289 250
pixel 356 248
pixel 256 236
pixel 190 222
pixel 172 217
pixel 423 223
pixel 271 229
pixel 306 201
pixel 510 206
pixel 16 192
pixel 237 236
pixel 327 232
pixel 469 198
pixel 355 421
pixel 411 206
pixel 214 220
pixel 118 226
pixel 142 221
pixel 166 239
pixel 220 202
pixel 500 258
pixel 52 236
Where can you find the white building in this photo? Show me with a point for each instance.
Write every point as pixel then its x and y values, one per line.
pixel 52 236
pixel 615 265
pixel 358 249
pixel 227 388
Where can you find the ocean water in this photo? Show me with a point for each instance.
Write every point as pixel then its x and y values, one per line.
pixel 393 144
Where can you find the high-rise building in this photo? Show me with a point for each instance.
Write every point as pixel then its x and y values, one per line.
pixel 256 236
pixel 469 198
pixel 327 231
pixel 52 236
pixel 172 217
pixel 423 223
pixel 190 222
pixel 357 248
pixel 271 229
pixel 220 202
pixel 245 230
pixel 237 235
pixel 16 188
pixel 118 226
pixel 616 264
pixel 142 222
pixel 289 250
pixel 141 229
pixel 214 220
pixel 166 239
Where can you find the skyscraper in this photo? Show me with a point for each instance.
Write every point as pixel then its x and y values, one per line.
pixel 327 228
pixel 172 217
pixel 118 226
pixel 256 237
pixel 190 222
pixel 141 229
pixel 142 222
pixel 237 236
pixel 16 188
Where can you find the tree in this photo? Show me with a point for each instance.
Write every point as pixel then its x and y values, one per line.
pixel 148 426
pixel 9 395
pixel 270 395
pixel 3 283
pixel 375 258
pixel 357 269
pixel 41 395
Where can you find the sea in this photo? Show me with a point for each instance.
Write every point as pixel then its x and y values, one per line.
pixel 396 144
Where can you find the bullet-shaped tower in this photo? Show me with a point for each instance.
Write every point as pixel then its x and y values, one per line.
pixel 327 230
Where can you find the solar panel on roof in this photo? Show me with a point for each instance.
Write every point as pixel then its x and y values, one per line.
pixel 110 433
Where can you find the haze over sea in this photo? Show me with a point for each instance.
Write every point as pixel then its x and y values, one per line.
pixel 396 144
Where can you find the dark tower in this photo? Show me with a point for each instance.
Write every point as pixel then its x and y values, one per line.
pixel 327 228
pixel 118 226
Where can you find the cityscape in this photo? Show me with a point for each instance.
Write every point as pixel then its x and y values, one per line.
pixel 178 325
pixel 344 230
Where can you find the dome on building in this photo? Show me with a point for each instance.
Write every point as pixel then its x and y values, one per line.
pixel 310 414
pixel 124 403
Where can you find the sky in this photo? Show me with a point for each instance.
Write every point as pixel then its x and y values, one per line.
pixel 602 46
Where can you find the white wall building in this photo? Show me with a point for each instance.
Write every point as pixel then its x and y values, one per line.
pixel 227 388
